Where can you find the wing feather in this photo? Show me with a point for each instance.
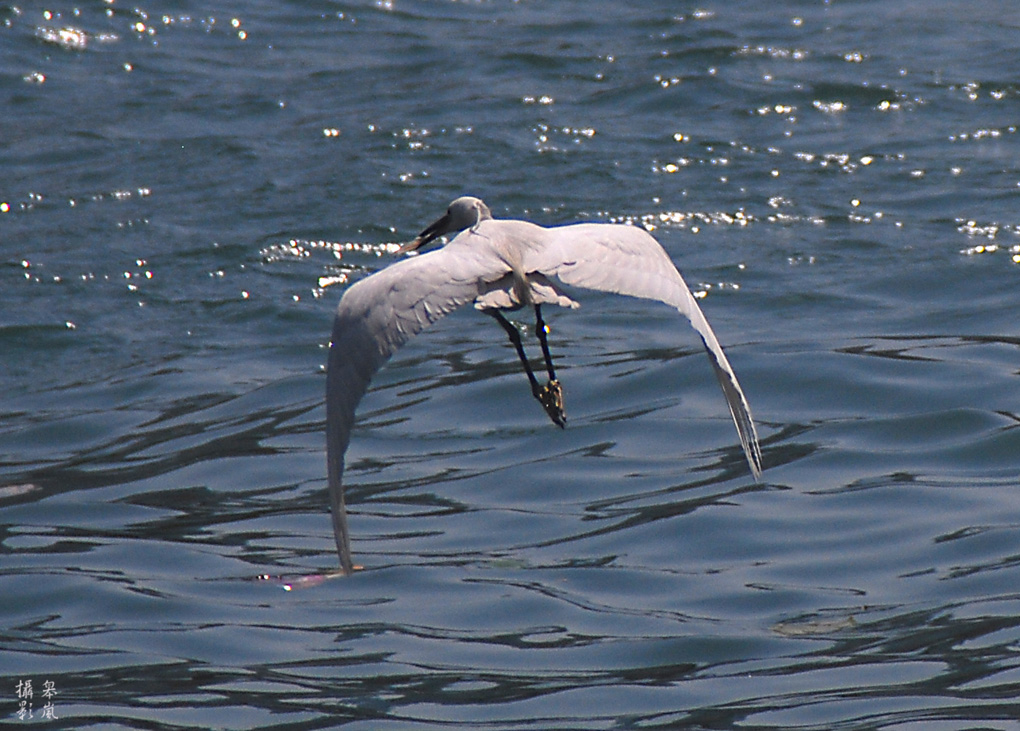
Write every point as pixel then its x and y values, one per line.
pixel 374 318
pixel 628 260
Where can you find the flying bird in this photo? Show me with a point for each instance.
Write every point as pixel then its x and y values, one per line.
pixel 499 265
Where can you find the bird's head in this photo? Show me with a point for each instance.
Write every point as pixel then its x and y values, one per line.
pixel 463 213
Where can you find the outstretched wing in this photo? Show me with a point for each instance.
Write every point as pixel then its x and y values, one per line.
pixel 628 260
pixel 375 317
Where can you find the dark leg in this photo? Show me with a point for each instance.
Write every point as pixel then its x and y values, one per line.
pixel 549 396
pixel 540 326
pixel 515 338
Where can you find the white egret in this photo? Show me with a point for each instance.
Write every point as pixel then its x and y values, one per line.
pixel 499 265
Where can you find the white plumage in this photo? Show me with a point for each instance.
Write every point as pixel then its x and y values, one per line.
pixel 497 265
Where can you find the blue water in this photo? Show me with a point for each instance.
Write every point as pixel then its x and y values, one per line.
pixel 185 193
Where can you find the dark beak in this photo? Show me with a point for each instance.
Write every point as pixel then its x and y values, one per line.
pixel 427 236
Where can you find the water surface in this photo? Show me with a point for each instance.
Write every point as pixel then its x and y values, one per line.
pixel 186 194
